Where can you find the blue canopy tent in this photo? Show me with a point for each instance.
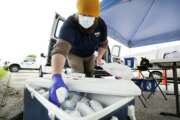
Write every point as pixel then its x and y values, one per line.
pixel 137 23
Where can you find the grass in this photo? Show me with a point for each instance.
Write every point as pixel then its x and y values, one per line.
pixel 3 72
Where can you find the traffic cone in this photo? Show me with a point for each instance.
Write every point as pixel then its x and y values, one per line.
pixel 164 77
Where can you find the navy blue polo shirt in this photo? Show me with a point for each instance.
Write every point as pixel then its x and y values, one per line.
pixel 83 43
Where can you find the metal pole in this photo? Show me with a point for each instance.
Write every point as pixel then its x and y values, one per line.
pixel 176 92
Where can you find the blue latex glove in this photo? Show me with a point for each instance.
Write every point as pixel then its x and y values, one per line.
pixel 58 92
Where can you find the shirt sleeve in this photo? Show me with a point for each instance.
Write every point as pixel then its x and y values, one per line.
pixel 104 30
pixel 62 47
pixel 104 42
pixel 67 31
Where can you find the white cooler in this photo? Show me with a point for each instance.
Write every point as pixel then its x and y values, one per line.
pixel 115 95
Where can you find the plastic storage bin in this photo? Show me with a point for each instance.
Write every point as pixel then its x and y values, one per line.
pixel 130 61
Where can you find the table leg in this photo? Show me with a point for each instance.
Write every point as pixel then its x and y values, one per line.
pixel 176 92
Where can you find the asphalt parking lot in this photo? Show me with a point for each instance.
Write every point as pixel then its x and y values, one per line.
pixel 18 79
pixel 12 93
pixel 14 100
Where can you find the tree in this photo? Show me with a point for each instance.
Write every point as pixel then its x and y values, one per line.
pixel 30 57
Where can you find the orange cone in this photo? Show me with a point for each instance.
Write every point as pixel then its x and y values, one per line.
pixel 164 77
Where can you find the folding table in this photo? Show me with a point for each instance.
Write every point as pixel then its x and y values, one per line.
pixel 169 63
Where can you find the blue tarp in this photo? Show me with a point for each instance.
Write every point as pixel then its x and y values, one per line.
pixel 137 23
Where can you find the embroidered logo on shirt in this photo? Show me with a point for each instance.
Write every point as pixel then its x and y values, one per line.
pixel 97 34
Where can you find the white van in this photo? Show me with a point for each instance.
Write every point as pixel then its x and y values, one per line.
pixel 28 63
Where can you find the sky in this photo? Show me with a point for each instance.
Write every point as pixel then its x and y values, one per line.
pixel 25 27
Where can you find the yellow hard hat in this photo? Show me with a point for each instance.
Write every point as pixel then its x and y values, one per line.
pixel 88 7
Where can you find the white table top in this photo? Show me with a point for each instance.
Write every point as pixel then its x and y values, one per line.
pixel 166 62
pixel 169 60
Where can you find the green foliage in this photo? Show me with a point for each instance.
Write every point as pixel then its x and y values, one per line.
pixel 30 57
pixel 3 72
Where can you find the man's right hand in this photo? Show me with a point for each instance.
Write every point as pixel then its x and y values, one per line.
pixel 58 91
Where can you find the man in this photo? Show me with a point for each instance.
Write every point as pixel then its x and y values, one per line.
pixel 80 35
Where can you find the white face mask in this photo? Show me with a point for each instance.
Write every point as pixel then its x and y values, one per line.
pixel 86 21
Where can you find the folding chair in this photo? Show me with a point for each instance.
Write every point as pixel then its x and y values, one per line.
pixel 154 78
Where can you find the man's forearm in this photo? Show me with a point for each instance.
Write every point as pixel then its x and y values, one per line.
pixel 101 52
pixel 59 55
pixel 57 61
pixel 102 49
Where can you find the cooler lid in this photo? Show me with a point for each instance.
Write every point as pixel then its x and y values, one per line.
pixel 104 86
pixel 94 85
